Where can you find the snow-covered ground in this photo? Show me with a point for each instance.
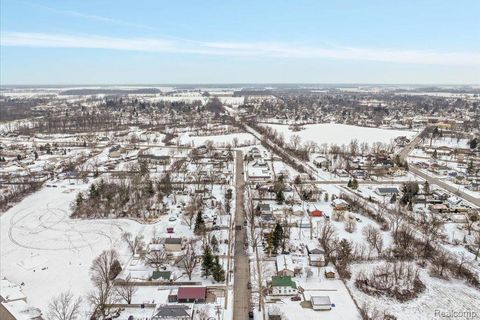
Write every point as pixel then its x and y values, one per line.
pixel 332 133
pixel 439 296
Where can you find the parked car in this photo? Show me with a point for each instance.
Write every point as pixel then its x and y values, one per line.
pixel 250 315
pixel 172 219
pixel 249 285
pixel 296 298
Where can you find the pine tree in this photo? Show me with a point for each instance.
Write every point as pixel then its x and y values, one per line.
pixel 344 252
pixel 349 184
pixel 199 224
pixel 217 271
pixel 277 237
pixel 93 193
pixel 393 199
pixel 354 183
pixel 79 199
pixel 207 261
pixel 470 168
pixel 280 197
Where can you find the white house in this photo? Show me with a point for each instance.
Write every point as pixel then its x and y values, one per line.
pixel 283 286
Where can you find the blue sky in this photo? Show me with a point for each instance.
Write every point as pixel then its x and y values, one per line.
pixel 153 42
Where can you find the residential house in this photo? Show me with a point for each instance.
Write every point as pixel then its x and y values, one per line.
pixel 316 260
pixel 283 286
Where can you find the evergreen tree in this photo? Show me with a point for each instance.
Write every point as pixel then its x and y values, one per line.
pixel 93 193
pixel 277 237
pixel 349 184
pixel 79 199
pixel 393 199
pixel 354 183
pixel 207 261
pixel 217 271
pixel 199 224
pixel 344 253
pixel 280 197
pixel 470 168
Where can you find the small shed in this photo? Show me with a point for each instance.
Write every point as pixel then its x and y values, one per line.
pixel 321 302
pixel 329 273
pixel 173 244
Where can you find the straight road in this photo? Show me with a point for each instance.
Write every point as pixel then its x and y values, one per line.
pixel 428 176
pixel 241 294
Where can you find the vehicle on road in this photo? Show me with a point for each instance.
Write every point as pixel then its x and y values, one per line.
pixel 296 298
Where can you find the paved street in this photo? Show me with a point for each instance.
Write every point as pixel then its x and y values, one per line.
pixel 241 298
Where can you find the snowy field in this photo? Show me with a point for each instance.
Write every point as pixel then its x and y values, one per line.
pixel 220 140
pixel 49 252
pixel 442 295
pixel 332 133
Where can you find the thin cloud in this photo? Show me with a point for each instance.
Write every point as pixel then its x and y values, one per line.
pixel 250 49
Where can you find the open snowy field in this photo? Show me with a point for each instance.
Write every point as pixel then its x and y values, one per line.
pixel 333 133
pixel 220 140
pixel 439 296
pixel 49 252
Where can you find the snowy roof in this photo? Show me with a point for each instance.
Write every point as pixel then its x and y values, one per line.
pixel 284 262
pixel 339 201
pixel 9 291
pixel 20 310
pixel 320 300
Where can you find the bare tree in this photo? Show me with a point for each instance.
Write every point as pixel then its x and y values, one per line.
pixel 476 238
pixel 134 244
pixel 430 227
pixel 126 291
pixel 373 237
pixel 102 272
pixel 189 260
pixel 64 307
pixel 156 258
pixel 327 233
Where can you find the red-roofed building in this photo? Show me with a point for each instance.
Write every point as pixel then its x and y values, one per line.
pixel 191 294
pixel 316 213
